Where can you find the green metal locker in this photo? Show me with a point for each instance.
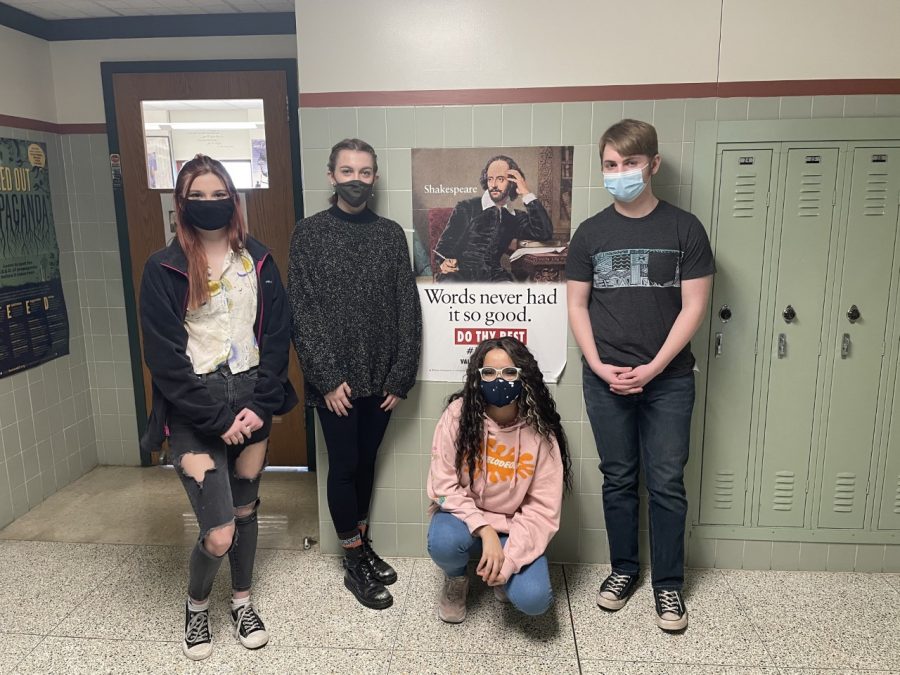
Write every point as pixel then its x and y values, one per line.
pixel 805 218
pixel 740 234
pixel 858 346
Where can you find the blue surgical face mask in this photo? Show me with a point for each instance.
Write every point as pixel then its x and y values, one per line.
pixel 500 392
pixel 625 186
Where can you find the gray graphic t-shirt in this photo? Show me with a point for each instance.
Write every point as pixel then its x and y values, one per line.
pixel 636 266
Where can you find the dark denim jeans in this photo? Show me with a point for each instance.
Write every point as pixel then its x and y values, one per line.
pixel 652 429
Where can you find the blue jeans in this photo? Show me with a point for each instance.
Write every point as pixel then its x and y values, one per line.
pixel 450 545
pixel 652 428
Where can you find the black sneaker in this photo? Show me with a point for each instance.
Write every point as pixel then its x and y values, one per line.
pixel 383 572
pixel 197 643
pixel 360 579
pixel 249 627
pixel 671 614
pixel 615 590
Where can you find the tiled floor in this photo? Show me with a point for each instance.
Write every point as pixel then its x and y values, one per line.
pixel 92 581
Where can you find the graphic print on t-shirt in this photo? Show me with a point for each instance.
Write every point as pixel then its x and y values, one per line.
pixel 637 267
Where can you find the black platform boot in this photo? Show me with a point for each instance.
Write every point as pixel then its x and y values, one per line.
pixel 360 579
pixel 383 572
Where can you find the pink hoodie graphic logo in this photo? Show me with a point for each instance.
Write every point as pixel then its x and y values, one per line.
pixel 501 463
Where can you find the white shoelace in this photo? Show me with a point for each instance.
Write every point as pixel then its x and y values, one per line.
pixel 197 629
pixel 248 620
pixel 670 602
pixel 617 583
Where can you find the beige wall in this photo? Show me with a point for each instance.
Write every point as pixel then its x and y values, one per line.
pixel 809 39
pixel 76 64
pixel 407 44
pixel 26 77
pixel 532 43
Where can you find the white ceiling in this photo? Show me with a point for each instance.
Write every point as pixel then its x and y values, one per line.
pixel 84 9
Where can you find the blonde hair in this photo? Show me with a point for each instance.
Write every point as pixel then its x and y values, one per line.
pixel 631 137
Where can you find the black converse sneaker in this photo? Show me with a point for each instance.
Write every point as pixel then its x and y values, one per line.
pixel 671 614
pixel 383 572
pixel 249 627
pixel 615 590
pixel 360 579
pixel 197 643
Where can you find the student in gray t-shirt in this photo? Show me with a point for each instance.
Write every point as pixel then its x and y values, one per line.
pixel 639 274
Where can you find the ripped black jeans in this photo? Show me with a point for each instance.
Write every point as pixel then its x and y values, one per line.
pixel 221 491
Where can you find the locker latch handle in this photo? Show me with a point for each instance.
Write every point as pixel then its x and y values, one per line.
pixel 789 314
pixel 719 340
pixel 853 314
pixel 782 345
pixel 845 346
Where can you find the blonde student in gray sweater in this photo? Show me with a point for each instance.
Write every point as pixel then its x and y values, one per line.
pixel 357 331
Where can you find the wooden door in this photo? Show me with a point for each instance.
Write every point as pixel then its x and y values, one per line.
pixel 270 211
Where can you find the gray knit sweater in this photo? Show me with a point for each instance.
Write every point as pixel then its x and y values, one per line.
pixel 356 312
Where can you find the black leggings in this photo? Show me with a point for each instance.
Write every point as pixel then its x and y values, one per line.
pixel 352 443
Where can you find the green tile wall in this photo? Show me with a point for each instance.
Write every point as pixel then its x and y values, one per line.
pixel 399 502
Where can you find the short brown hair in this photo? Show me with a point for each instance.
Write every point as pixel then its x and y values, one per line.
pixel 351 144
pixel 631 137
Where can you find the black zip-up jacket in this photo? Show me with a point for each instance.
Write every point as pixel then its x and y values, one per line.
pixel 477 237
pixel 164 296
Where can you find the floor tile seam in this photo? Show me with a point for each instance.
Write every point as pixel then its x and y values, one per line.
pixel 746 613
pixel 571 618
pixel 96 589
pixel 98 638
pixel 14 669
pixel 883 578
pixel 396 636
pixel 92 543
pixel 457 652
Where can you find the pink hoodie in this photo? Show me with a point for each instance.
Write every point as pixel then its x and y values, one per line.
pixel 517 489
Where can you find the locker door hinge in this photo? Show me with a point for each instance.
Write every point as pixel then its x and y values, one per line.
pixel 867 487
pixel 820 348
pixel 883 348
pixel 767 198
pixel 287 107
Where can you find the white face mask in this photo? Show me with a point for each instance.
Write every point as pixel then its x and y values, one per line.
pixel 626 185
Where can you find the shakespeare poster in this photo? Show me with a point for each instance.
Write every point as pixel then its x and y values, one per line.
pixel 34 327
pixel 491 234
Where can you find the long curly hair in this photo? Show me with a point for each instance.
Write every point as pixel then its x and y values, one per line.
pixel 536 406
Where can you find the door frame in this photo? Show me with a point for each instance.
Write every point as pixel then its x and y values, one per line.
pixel 107 70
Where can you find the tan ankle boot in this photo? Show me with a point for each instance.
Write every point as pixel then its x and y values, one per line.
pixel 452 603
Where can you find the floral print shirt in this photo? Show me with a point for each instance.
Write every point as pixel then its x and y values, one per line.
pixel 221 330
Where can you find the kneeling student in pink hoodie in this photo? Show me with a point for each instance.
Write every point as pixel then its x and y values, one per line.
pixel 499 463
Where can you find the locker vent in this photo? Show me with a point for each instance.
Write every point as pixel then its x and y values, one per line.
pixel 724 490
pixel 897 497
pixel 783 500
pixel 810 199
pixel 844 492
pixel 875 200
pixel 745 196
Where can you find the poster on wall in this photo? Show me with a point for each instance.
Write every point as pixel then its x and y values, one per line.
pixel 491 232
pixel 34 327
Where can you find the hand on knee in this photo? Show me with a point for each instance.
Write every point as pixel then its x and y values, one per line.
pixel 219 540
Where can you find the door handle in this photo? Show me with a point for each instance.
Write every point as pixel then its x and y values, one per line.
pixel 725 313
pixel 789 314
pixel 853 314
pixel 782 345
pixel 719 340
pixel 845 346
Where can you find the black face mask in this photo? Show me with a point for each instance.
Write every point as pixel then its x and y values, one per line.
pixel 354 192
pixel 209 214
